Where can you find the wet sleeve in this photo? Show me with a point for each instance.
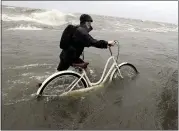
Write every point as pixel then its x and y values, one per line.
pixel 87 40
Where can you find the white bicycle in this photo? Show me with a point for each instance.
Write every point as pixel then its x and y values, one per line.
pixel 66 81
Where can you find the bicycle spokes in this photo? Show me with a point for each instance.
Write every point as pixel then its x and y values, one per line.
pixel 62 84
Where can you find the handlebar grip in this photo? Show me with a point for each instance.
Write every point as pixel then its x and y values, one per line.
pixel 115 42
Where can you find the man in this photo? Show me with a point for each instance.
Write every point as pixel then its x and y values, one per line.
pixel 80 39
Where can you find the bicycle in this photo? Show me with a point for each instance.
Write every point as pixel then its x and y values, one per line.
pixel 81 80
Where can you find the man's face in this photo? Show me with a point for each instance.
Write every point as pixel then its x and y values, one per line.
pixel 88 25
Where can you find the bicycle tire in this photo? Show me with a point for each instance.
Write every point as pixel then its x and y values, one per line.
pixel 56 75
pixel 122 65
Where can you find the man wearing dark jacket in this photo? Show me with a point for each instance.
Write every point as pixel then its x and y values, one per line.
pixel 81 38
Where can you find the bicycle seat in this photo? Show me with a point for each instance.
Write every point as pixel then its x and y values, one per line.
pixel 81 65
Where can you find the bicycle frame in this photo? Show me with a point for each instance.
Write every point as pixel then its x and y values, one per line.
pixel 103 77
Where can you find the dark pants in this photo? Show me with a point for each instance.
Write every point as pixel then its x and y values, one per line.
pixel 64 65
pixel 67 58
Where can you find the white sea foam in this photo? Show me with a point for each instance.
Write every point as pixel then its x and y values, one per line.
pixel 22 27
pixel 52 17
pixel 40 78
pixel 30 65
pixel 161 29
pixel 11 102
pixel 6 17
pixel 10 7
pixel 17 82
pixel 132 30
pixel 27 74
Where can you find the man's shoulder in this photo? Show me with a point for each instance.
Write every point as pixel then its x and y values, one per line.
pixel 82 30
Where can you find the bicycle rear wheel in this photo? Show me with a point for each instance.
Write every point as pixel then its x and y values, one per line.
pixel 127 70
pixel 60 83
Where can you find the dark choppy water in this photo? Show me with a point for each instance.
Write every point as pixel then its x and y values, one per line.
pixel 148 102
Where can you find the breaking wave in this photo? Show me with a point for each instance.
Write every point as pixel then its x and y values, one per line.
pixel 52 18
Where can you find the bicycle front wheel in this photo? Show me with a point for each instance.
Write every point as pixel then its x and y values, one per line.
pixel 127 71
pixel 60 83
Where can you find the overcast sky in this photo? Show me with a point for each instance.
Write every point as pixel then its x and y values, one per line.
pixel 164 11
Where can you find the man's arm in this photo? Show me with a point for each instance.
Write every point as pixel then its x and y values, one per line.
pixel 83 37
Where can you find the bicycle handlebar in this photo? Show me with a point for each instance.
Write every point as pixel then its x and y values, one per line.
pixel 115 43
